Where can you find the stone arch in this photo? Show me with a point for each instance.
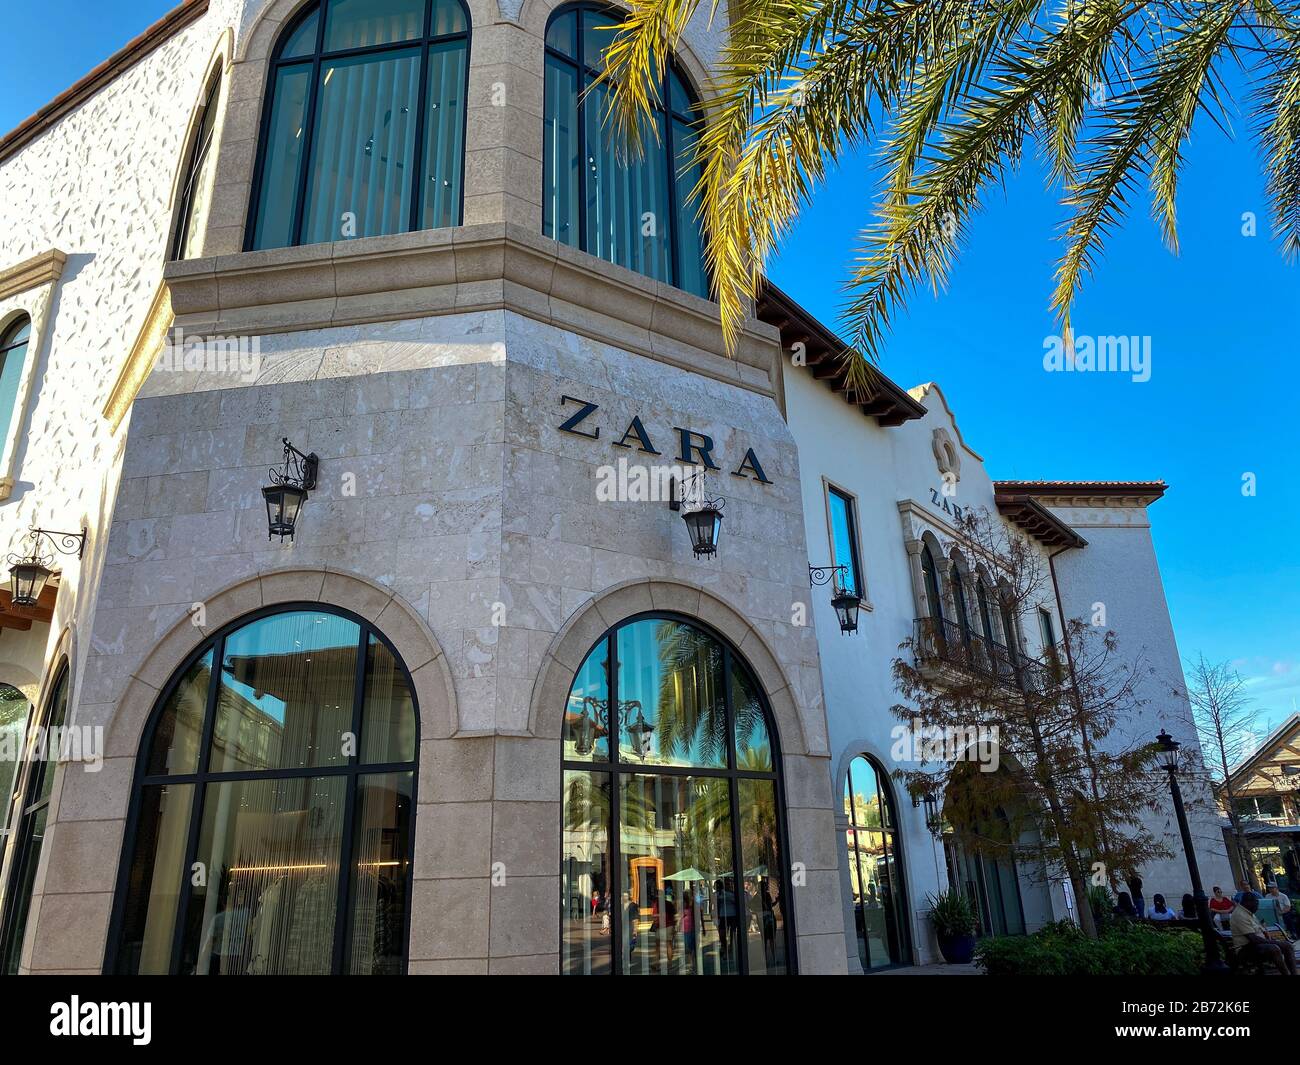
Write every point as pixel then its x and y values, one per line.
pixel 390 614
pixel 585 626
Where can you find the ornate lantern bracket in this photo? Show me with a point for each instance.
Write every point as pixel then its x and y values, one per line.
pixel 30 570
pixel 704 519
pixel 288 490
pixel 845 600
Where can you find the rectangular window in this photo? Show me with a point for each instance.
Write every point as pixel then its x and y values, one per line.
pixel 1046 628
pixel 844 538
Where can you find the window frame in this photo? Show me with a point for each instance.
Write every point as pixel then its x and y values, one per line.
pixel 615 769
pixel 894 844
pixel 200 149
pixel 351 771
pixel 23 812
pixel 664 115
pixel 303 177
pixel 1047 630
pixel 853 521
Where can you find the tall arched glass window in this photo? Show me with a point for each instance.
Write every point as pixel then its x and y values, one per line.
pixel 875 868
pixel 364 126
pixel 674 856
pixel 196 182
pixel 931 576
pixel 13 357
pixel 273 807
pixel 959 601
pixel 33 802
pixel 633 211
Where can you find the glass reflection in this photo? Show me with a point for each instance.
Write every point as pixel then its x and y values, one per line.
pixel 586 718
pixel 681 907
pixel 380 857
pixel 761 858
pixel 585 891
pixel 287 689
pixel 874 875
pixel 671 708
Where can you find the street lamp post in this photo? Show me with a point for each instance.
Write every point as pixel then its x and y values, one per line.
pixel 1214 964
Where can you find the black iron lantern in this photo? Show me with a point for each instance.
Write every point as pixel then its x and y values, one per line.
pixel 703 521
pixel 844 599
pixel 640 731
pixel 584 732
pixel 932 819
pixel 30 572
pixel 1168 751
pixel 288 491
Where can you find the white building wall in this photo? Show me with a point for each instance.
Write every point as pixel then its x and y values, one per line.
pixel 1118 572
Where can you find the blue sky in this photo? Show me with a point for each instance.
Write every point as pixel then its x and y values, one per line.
pixel 1222 400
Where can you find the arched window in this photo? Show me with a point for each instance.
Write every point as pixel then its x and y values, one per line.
pixel 986 618
pixel 674 852
pixel 273 806
pixel 364 125
pixel 931 583
pixel 30 823
pixel 196 183
pixel 633 211
pixel 875 867
pixel 959 601
pixel 13 357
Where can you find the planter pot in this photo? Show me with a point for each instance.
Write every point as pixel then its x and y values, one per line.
pixel 957 950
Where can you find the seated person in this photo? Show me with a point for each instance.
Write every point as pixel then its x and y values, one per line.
pixel 1159 911
pixel 1220 905
pixel 1284 908
pixel 1249 939
pixel 1188 912
pixel 1124 909
pixel 1245 888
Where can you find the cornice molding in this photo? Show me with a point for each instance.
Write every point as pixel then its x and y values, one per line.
pixel 491 266
pixel 43 269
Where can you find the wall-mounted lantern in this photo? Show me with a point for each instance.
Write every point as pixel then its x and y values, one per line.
pixel 288 490
pixel 845 601
pixel 933 819
pixel 703 519
pixel 29 572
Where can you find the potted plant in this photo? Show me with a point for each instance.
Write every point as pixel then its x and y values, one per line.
pixel 954 924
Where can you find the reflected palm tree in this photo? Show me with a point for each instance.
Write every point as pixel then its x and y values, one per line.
pixel 690 715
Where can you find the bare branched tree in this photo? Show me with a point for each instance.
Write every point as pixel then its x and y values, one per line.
pixel 1062 774
pixel 1226 723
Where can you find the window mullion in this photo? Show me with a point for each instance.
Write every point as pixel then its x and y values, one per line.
pixel 343 926
pixel 308 130
pixel 184 895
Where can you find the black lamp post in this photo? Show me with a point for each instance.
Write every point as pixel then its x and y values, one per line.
pixel 30 572
pixel 288 490
pixel 1214 964
pixel 844 599
pixel 704 522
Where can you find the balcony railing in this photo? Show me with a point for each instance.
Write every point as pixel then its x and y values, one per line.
pixel 942 641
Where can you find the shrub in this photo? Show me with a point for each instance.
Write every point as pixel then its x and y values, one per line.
pixel 952 913
pixel 1125 949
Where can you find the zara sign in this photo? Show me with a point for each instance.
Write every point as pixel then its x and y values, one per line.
pixel 693 448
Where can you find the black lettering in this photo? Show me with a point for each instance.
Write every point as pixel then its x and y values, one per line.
pixel 637 430
pixel 571 426
pixel 704 448
pixel 754 468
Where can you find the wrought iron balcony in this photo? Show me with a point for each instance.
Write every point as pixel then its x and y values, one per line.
pixel 945 644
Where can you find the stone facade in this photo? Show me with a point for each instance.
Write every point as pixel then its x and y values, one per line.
pixel 428 371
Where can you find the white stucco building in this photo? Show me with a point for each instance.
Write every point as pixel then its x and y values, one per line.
pixel 472 715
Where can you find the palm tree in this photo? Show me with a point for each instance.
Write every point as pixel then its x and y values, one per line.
pixel 953 92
